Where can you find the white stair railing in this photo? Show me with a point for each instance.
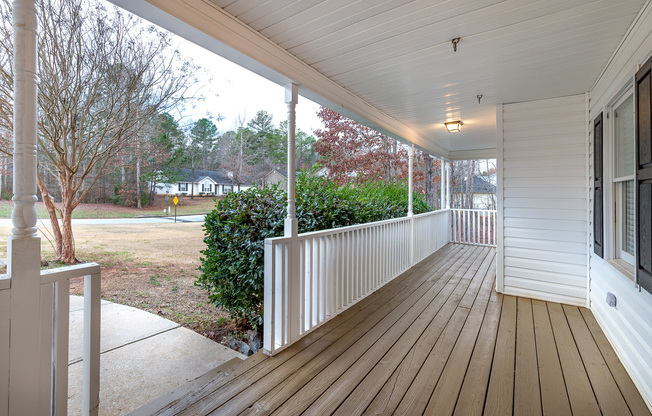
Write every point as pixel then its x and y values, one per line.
pixel 55 318
pixel 473 226
pixel 5 324
pixel 54 342
pixel 336 268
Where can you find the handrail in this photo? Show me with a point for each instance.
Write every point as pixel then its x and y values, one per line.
pixel 338 230
pixel 473 226
pixel 314 276
pixel 55 318
pixel 69 272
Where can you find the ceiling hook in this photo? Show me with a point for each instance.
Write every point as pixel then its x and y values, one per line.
pixel 455 42
pixel 479 96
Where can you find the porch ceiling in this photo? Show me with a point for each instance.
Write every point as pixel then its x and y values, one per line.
pixel 391 63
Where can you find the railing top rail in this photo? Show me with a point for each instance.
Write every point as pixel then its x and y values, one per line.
pixel 5 282
pixel 429 213
pixel 333 231
pixel 473 210
pixel 69 272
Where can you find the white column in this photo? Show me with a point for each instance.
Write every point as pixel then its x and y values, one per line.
pixel 294 283
pixel 24 245
pixel 442 191
pixel 291 99
pixel 411 202
pixel 410 185
pixel 448 185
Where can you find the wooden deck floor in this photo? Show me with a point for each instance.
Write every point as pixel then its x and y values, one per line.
pixel 437 340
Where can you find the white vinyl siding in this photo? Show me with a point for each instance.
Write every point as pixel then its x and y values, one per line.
pixel 544 199
pixel 627 326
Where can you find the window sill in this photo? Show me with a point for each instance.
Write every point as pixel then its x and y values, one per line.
pixel 623 267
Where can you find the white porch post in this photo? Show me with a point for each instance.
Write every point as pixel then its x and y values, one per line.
pixel 294 285
pixel 411 202
pixel 442 203
pixel 448 186
pixel 410 185
pixel 24 244
pixel 291 98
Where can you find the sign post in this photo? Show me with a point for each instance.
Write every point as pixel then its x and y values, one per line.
pixel 176 201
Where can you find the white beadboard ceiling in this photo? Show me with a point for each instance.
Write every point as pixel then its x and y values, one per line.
pixel 390 63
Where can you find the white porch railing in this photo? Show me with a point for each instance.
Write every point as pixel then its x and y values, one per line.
pixel 5 311
pixel 55 298
pixel 472 226
pixel 336 268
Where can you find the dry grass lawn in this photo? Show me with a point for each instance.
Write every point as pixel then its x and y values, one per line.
pixel 148 266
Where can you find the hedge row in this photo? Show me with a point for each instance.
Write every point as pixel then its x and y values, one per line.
pixel 233 261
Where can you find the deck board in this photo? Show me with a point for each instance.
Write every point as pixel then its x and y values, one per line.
pixel 580 393
pixel 606 391
pixel 527 397
pixel 437 340
pixel 554 398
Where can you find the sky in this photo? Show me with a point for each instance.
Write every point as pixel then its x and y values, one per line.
pixel 235 93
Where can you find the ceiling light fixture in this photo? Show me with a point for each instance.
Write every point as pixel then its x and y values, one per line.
pixel 454 126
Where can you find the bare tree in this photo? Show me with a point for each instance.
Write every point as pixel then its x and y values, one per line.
pixel 103 73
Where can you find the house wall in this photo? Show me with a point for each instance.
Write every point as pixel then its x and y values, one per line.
pixel 542 166
pixel 276 177
pixel 627 326
pixel 173 189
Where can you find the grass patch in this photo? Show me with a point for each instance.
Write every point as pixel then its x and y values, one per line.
pixel 195 206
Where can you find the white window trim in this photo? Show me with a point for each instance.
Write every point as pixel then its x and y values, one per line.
pixel 622 261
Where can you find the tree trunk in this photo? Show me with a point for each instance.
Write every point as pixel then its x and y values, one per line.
pixel 152 192
pixel 138 197
pixel 192 185
pixel 68 240
pixel 52 213
pixel 430 195
pixel 388 161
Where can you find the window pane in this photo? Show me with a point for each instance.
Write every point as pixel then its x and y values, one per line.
pixel 628 225
pixel 624 138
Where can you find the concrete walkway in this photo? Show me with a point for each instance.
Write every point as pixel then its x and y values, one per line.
pixel 143 356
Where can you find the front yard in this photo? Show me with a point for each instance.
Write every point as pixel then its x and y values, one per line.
pixel 148 266
pixel 198 205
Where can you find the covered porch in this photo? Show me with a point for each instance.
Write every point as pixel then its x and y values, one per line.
pixel 438 339
pixel 468 330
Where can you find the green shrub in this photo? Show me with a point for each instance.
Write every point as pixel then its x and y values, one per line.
pixel 235 232
pixel 232 267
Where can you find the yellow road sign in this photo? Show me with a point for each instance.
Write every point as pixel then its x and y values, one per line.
pixel 175 200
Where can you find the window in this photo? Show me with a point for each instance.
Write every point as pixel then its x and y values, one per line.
pixel 626 204
pixel 207 187
pixel 228 188
pixel 623 179
pixel 183 187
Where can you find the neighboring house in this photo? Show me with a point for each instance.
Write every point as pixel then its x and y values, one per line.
pixel 276 176
pixel 204 182
pixel 484 193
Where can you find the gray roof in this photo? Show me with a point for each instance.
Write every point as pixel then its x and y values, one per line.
pixel 480 186
pixel 220 177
